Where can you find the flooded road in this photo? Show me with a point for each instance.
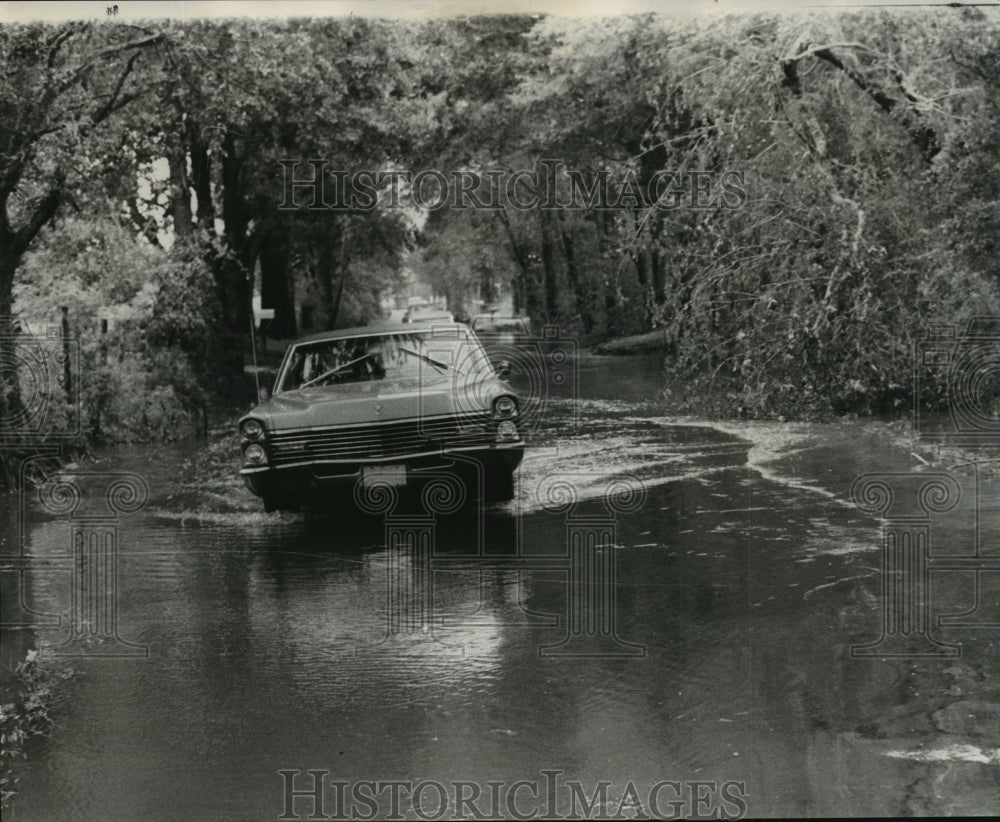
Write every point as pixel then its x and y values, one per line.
pixel 667 602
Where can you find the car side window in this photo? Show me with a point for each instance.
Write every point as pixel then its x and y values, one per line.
pixel 295 374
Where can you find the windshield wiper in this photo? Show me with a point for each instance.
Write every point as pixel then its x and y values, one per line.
pixel 333 371
pixel 427 358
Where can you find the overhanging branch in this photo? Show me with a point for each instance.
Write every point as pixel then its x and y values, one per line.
pixel 922 135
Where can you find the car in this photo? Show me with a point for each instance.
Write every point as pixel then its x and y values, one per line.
pixel 494 325
pixel 387 405
pixel 501 334
pixel 428 314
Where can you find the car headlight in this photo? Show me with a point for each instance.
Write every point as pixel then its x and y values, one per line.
pixel 254 454
pixel 252 429
pixel 506 432
pixel 504 408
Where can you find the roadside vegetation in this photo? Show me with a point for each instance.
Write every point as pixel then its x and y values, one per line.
pixel 26 716
pixel 828 191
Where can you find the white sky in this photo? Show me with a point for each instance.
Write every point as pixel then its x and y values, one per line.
pixel 55 11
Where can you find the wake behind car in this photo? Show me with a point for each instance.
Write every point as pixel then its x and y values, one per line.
pixel 382 406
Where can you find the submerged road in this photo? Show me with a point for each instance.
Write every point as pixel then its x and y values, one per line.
pixel 667 610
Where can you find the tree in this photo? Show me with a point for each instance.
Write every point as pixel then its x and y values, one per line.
pixel 59 88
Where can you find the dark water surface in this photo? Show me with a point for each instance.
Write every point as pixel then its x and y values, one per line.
pixel 741 582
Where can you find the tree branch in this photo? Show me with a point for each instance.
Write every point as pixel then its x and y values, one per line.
pixel 109 107
pixel 107 52
pixel 56 43
pixel 44 211
pixel 923 136
pixel 817 49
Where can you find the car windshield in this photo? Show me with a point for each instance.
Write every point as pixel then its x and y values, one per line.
pixel 411 355
pixel 500 325
pixel 427 315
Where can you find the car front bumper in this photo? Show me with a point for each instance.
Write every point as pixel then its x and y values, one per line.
pixel 312 477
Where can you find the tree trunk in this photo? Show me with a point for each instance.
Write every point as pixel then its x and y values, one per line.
pixel 180 193
pixel 231 272
pixel 572 273
pixel 659 265
pixel 277 282
pixel 549 266
pixel 605 228
pixel 641 269
pixel 332 272
pixel 13 245
pixel 335 306
pixel 325 267
pixel 10 390
pixel 201 174
pixel 522 280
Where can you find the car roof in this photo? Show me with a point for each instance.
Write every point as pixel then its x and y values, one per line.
pixel 375 330
pixel 500 318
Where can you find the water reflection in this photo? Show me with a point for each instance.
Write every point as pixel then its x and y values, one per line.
pixel 286 641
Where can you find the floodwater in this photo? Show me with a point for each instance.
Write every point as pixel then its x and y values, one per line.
pixel 668 602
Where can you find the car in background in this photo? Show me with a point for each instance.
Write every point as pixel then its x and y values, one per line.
pixel 428 314
pixel 382 406
pixel 497 328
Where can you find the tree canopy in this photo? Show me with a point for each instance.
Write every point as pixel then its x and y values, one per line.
pixel 792 198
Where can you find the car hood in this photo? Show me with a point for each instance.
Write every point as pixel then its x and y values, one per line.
pixel 377 401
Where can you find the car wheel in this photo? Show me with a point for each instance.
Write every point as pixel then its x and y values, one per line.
pixel 499 487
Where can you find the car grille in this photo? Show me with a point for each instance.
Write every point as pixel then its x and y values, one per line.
pixel 380 440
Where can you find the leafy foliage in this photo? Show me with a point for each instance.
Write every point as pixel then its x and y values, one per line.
pixel 810 296
pixel 152 373
pixel 865 143
pixel 26 716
